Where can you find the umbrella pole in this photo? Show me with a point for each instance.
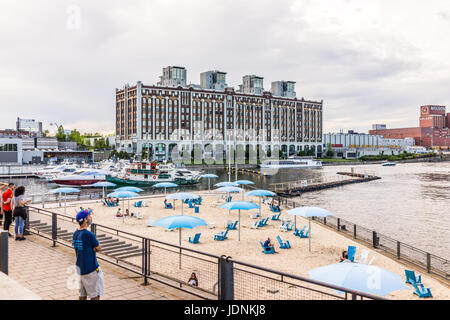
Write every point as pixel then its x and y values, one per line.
pixel 179 229
pixel 239 238
pixel 295 221
pixel 65 202
pixel 309 235
pixel 103 192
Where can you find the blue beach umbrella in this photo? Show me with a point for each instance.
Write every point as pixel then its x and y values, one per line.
pixel 103 185
pixel 239 205
pixel 165 185
pixel 243 182
pixel 209 176
pixel 181 196
pixel 179 222
pixel 261 193
pixel 309 212
pixel 359 277
pixel 225 184
pixel 131 189
pixel 65 190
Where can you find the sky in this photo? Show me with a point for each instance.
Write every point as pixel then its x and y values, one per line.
pixel 370 61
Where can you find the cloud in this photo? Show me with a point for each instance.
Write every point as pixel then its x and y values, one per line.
pixel 370 62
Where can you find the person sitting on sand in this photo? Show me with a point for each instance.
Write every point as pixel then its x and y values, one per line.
pixel 344 256
pixel 193 281
pixel 268 244
pixel 119 214
pixel 127 213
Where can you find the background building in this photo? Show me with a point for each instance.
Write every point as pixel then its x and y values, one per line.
pixel 215 80
pixel 10 151
pixel 29 127
pixel 433 130
pixel 162 117
pixel 283 89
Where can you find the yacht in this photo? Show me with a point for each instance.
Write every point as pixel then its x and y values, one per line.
pixel 292 162
pixel 82 177
pixel 49 172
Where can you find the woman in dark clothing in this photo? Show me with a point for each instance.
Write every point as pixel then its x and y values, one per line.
pixel 20 212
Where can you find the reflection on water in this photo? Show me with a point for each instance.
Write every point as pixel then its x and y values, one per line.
pixel 411 202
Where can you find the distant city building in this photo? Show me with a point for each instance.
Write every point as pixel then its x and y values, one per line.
pixel 252 84
pixel 215 80
pixel 162 117
pixel 29 126
pixel 378 126
pixel 283 89
pixel 10 151
pixel 355 145
pixel 433 130
pixel 173 77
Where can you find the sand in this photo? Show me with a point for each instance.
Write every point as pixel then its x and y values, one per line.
pixel 326 244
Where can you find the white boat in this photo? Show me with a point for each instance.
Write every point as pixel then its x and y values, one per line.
pixel 81 177
pixel 294 162
pixel 49 172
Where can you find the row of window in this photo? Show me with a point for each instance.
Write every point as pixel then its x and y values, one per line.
pixel 8 147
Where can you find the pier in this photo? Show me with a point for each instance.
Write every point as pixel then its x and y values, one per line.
pixel 296 188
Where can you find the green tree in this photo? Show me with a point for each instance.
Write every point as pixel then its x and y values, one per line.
pixel 301 153
pixel 330 153
pixel 45 133
pixel 60 135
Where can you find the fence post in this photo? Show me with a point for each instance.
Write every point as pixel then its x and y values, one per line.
pixel 226 279
pixel 26 228
pixel 374 239
pixel 54 231
pixel 428 263
pixel 398 249
pixel 94 229
pixel 4 251
pixel 354 231
pixel 144 260
pixel 338 224
pixel 325 220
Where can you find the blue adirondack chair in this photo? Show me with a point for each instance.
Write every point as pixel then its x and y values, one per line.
pixel 260 223
pixel 306 235
pixel 221 236
pixel 195 239
pixel 266 250
pixel 191 205
pixel 351 253
pixel 283 244
pixel 298 232
pixel 168 206
pixel 411 277
pixel 276 217
pixel 274 209
pixel 138 204
pixel 289 228
pixel 196 209
pixel 198 201
pixel 229 199
pixel 421 291
pixel 232 226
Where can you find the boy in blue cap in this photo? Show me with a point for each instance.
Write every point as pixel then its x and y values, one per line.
pixel 86 245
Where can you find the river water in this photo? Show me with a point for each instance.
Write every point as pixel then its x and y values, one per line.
pixel 410 203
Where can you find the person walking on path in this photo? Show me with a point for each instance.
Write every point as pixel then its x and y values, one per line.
pixel 20 212
pixel 7 207
pixel 86 245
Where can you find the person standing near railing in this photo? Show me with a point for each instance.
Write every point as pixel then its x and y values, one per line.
pixel 86 245
pixel 20 212
pixel 7 207
pixel 2 187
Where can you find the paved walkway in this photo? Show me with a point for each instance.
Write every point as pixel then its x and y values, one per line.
pixel 49 273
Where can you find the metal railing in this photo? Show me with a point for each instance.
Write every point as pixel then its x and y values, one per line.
pixel 218 277
pixel 399 250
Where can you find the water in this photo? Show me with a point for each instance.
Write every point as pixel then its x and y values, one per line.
pixel 411 203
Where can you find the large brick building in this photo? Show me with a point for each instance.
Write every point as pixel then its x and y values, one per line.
pixel 170 113
pixel 433 130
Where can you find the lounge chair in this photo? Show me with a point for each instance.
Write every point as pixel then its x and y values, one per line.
pixel 266 250
pixel 221 236
pixel 198 201
pixel 255 224
pixel 263 222
pixel 232 226
pixel 168 206
pixel 274 209
pixel 298 232
pixel 411 277
pixel 196 209
pixel 138 215
pixel 267 199
pixel 306 235
pixel 283 244
pixel 421 291
pixel 195 239
pixel 109 204
pixel 138 204
pixel 290 227
pixel 283 226
pixel 191 205
pixel 276 217
pixel 229 199
pixel 351 253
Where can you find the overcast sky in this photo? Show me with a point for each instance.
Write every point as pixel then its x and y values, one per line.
pixel 370 61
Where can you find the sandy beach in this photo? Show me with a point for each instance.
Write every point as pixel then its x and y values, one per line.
pixel 326 244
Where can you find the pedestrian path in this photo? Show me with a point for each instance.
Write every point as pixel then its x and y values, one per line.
pixel 49 272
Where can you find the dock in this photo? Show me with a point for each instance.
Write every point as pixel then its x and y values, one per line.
pixel 17 176
pixel 296 188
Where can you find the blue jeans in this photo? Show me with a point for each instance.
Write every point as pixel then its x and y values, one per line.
pixel 19 225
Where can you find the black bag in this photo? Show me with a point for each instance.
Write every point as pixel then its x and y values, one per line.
pixel 20 212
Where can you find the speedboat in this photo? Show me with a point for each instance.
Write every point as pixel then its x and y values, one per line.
pixel 81 178
pixel 49 172
pixel 388 164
